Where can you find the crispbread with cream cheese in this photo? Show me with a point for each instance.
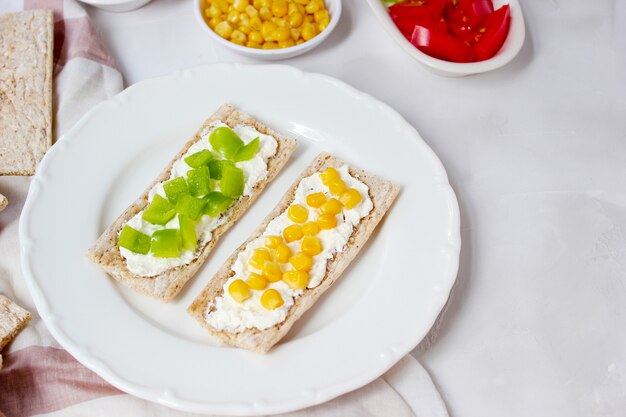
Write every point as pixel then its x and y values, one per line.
pixel 382 193
pixel 13 319
pixel 167 284
pixel 26 72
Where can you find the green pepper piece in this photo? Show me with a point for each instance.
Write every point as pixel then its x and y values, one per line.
pixel 166 243
pixel 199 159
pixel 190 206
pixel 134 240
pixel 225 140
pixel 217 166
pixel 175 188
pixel 232 182
pixel 247 152
pixel 160 211
pixel 188 232
pixel 199 181
pixel 216 203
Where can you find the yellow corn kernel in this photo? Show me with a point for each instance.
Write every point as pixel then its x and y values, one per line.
pixel 300 41
pixel 245 29
pixel 316 199
pixel 257 4
pixel 312 7
pixel 266 3
pixel 297 280
pixel 223 5
pixel 328 174
pixel 238 37
pixel 301 261
pixel 308 31
pixel 207 13
pixel 233 17
pixel 323 25
pixel 327 221
pixel 350 198
pixel 302 2
pixel 280 22
pixel 279 8
pixel 272 242
pixel 265 13
pixel 240 5
pixel 239 290
pixel 292 233
pixel 252 44
pixel 252 11
pixel 310 229
pixel 321 15
pixel 214 22
pixel 281 34
pixel 256 281
pixel 336 186
pixel 214 11
pixel 295 19
pixel 224 29
pixel 268 30
pixel 271 299
pixel 295 34
pixel 244 16
pixel 311 246
pixel 259 257
pixel 309 18
pixel 269 45
pixel 291 7
pixel 282 254
pixel 297 213
pixel 271 271
pixel 256 23
pixel 287 43
pixel 332 206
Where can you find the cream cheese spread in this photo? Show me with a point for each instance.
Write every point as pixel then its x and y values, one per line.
pixel 254 170
pixel 227 314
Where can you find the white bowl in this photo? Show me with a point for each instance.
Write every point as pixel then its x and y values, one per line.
pixel 117 5
pixel 333 6
pixel 511 47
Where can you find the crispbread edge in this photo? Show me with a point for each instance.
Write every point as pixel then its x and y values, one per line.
pixel 13 319
pixel 382 193
pixel 166 285
pixel 28 168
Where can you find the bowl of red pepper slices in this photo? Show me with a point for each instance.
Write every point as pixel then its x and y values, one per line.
pixel 455 37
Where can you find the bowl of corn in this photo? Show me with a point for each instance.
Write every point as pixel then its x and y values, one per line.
pixel 268 29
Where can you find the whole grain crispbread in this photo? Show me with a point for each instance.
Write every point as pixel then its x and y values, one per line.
pixel 382 193
pixel 26 72
pixel 13 318
pixel 166 285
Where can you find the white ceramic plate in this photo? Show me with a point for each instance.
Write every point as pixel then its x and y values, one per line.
pixel 380 309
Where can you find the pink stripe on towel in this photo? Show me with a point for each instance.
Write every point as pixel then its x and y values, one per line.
pixel 40 379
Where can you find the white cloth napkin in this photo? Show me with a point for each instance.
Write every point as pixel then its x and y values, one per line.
pixel 39 377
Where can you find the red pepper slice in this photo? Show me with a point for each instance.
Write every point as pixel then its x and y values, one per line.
pixel 492 33
pixel 406 25
pixel 440 44
pixel 468 12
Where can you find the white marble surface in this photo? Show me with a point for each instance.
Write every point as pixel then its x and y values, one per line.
pixel 536 152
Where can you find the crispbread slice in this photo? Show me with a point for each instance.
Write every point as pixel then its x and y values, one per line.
pixel 13 318
pixel 166 285
pixel 26 72
pixel 382 193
